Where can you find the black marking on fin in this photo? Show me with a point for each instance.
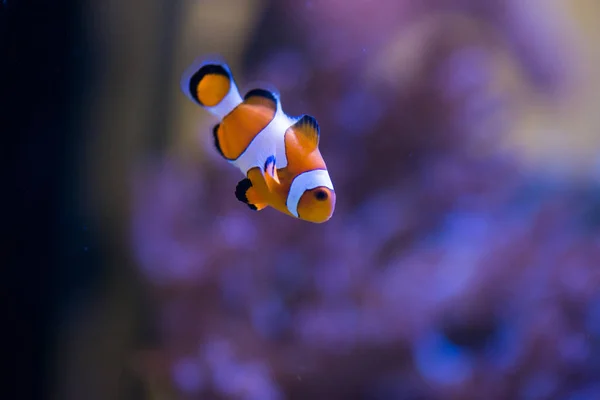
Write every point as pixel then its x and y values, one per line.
pixel 207 69
pixel 241 189
pixel 240 192
pixel 313 132
pixel 215 132
pixel 261 93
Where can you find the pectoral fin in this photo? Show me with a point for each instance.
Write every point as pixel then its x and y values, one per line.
pixel 248 195
pixel 270 173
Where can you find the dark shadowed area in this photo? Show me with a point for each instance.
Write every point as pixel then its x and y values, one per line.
pixel 463 257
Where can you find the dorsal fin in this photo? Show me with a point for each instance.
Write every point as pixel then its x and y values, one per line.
pixel 261 97
pixel 307 130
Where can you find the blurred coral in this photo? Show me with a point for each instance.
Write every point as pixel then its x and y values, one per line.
pixel 449 270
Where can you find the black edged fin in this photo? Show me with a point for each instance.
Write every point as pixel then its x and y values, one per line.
pixel 261 96
pixel 261 93
pixel 215 133
pixel 270 172
pixel 269 167
pixel 307 128
pixel 241 189
pixel 208 69
pixel 240 192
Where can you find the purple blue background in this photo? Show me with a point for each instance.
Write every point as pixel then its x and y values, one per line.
pixel 463 258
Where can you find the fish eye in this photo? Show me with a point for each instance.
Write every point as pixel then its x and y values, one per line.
pixel 321 195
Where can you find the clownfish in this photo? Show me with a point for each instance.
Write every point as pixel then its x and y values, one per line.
pixel 278 154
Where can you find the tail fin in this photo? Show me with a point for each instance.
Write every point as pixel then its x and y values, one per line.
pixel 210 84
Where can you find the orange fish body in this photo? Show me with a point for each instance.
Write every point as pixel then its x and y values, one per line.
pixel 278 154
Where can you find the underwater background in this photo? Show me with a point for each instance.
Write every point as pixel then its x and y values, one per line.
pixel 463 258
